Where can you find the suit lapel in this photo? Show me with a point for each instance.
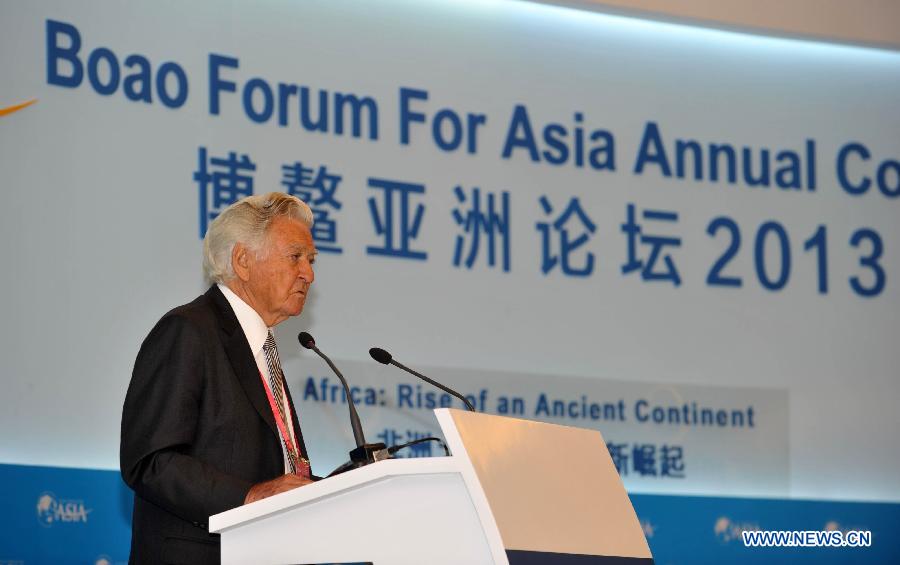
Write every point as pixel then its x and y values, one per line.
pixel 240 356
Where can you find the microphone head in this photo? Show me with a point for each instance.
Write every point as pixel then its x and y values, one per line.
pixel 380 355
pixel 306 340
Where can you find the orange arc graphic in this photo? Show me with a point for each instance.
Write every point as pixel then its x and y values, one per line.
pixel 17 107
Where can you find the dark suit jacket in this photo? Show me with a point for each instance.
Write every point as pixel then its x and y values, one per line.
pixel 197 431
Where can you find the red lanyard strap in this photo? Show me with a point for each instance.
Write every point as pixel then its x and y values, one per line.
pixel 289 442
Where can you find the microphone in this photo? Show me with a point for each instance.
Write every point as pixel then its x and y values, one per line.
pixel 385 358
pixel 364 453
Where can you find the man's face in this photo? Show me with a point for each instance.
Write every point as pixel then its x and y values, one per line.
pixel 280 274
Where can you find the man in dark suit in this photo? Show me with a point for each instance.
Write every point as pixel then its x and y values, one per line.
pixel 208 423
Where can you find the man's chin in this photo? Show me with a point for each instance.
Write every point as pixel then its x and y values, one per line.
pixel 297 306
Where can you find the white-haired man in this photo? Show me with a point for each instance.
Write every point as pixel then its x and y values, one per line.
pixel 208 423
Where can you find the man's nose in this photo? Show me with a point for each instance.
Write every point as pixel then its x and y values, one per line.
pixel 306 272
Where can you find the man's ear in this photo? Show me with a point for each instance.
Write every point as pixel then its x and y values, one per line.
pixel 241 261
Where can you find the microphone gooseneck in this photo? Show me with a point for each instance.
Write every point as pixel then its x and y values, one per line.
pixel 364 453
pixel 308 342
pixel 386 358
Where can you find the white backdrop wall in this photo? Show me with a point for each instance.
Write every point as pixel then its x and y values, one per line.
pixel 100 216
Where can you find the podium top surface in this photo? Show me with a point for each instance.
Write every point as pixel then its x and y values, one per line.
pixel 342 483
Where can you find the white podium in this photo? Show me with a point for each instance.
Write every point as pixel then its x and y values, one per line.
pixel 514 492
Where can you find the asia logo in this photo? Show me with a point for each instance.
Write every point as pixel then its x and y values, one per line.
pixel 835 526
pixel 51 510
pixel 16 107
pixel 727 530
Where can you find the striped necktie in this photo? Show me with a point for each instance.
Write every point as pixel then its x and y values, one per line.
pixel 276 383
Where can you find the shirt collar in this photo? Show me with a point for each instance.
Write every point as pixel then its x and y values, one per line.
pixel 249 319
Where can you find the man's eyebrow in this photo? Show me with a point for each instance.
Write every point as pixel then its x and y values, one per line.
pixel 291 247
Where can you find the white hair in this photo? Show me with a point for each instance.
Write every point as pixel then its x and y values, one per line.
pixel 246 221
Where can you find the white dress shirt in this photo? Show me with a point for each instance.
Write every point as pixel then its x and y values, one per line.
pixel 257 332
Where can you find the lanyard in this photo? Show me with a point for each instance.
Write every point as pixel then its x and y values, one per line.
pixel 288 439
